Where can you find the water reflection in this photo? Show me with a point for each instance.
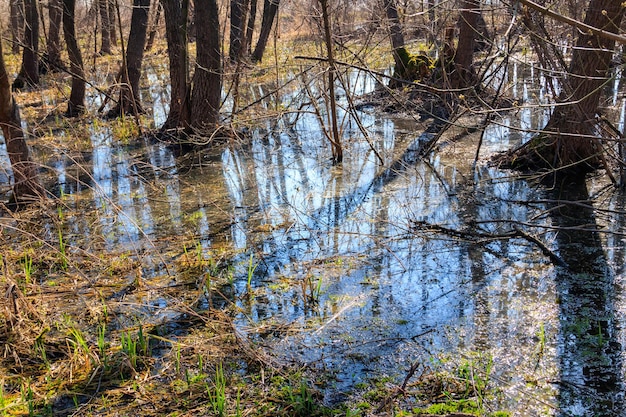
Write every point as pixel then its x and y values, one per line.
pixel 391 294
pixel 590 353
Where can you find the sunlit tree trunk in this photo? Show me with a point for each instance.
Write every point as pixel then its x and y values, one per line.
pixel 55 15
pixel 129 99
pixel 270 9
pixel 207 78
pixel 76 104
pixel 29 72
pixel 569 141
pixel 176 33
pixel 17 24
pixel 26 186
pixel 105 27
pixel 334 138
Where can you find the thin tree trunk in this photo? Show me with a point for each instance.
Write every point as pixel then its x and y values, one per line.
pixel 238 14
pixel 250 26
pixel 176 33
pixel 29 72
pixel 27 187
pixel 17 24
pixel 112 22
pixel 270 9
pixel 105 27
pixel 155 26
pixel 76 104
pixel 55 15
pixel 129 101
pixel 335 140
pixel 207 78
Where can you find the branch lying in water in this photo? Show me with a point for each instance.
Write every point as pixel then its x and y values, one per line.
pixel 483 237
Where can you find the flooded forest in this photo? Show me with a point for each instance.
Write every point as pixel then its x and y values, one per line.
pixel 312 208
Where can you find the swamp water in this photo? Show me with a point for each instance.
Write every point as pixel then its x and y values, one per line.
pixel 340 269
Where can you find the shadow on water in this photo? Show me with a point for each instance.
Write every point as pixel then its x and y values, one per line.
pixel 389 295
pixel 590 353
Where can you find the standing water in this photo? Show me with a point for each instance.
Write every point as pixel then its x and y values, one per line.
pixel 363 272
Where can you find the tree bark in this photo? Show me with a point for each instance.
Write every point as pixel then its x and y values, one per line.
pixel 17 24
pixel 238 14
pixel 129 99
pixel 270 9
pixel 464 75
pixel 335 139
pixel 76 104
pixel 207 78
pixel 55 15
pixel 250 26
pixel 396 35
pixel 155 26
pixel 112 22
pixel 176 33
pixel 26 187
pixel 29 71
pixel 569 141
pixel 105 27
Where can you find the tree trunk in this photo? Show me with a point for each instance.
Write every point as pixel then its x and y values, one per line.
pixel 26 186
pixel 238 13
pixel 335 140
pixel 76 104
pixel 29 72
pixel 155 26
pixel 270 9
pixel 207 78
pixel 176 33
pixel 105 27
pixel 55 15
pixel 397 37
pixel 250 26
pixel 129 101
pixel 112 22
pixel 464 75
pixel 17 24
pixel 569 141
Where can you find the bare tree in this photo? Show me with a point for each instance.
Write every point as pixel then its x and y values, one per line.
pixel 270 9
pixel 29 71
pixel 238 14
pixel 570 142
pixel 55 16
pixel 26 187
pixel 76 104
pixel 335 139
pixel 176 33
pixel 207 77
pixel 105 27
pixel 129 99
pixel 464 74
pixel 17 24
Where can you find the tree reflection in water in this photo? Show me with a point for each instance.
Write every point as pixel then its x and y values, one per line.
pixel 590 362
